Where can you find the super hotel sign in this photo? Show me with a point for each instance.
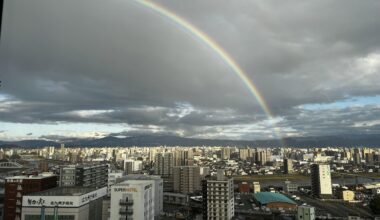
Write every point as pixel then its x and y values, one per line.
pixel 63 201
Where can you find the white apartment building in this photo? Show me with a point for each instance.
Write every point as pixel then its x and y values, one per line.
pixel 321 180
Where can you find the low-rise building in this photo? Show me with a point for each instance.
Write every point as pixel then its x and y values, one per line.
pixel 274 200
pixel 69 203
pixel 305 212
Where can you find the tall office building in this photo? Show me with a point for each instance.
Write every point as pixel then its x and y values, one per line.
pixel 321 180
pixel 218 197
pixel 288 166
pixel 132 199
pixel 132 166
pixel 225 153
pixel 88 175
pixel 18 186
pixel 186 179
pixel 163 164
pixel 244 154
pixel 183 157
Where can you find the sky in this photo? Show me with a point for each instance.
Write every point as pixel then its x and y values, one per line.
pixel 94 68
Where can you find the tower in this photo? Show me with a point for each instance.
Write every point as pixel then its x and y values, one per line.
pixel 321 180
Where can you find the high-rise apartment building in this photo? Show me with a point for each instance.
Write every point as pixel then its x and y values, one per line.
pixel 18 186
pixel 88 175
pixel 183 157
pixel 186 179
pixel 163 164
pixel 132 166
pixel 321 180
pixel 218 197
pixel 288 166
pixel 225 153
pixel 132 199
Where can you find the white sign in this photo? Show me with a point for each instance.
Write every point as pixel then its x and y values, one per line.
pixel 63 201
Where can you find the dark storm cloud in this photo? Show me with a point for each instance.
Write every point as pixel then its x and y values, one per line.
pixel 117 62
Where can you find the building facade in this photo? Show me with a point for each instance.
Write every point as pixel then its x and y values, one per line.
pixel 218 198
pixel 87 175
pixel 132 200
pixel 69 203
pixel 18 186
pixel 321 180
pixel 186 179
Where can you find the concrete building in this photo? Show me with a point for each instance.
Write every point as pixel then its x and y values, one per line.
pixel 132 166
pixel 18 186
pixel 256 187
pixel 157 188
pixel 69 203
pixel 186 179
pixel 305 212
pixel 347 195
pixel 218 197
pixel 244 187
pixel 113 177
pixel 163 166
pixel 288 166
pixel 183 157
pixel 132 199
pixel 321 180
pixel 87 175
pixel 290 187
pixel 225 153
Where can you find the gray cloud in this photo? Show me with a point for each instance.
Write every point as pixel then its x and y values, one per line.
pixel 118 62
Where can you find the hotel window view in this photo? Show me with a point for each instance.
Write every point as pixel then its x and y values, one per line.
pixel 196 110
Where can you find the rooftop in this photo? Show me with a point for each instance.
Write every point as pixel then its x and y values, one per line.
pixel 269 197
pixel 65 191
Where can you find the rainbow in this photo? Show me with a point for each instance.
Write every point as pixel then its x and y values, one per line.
pixel 218 50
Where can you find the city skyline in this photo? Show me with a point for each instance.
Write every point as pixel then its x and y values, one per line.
pixel 94 69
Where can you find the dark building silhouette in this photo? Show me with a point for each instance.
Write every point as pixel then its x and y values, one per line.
pixel 1 14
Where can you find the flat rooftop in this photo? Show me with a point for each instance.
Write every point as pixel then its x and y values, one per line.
pixel 28 177
pixel 64 191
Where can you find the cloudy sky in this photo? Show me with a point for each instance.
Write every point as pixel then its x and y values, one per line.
pixel 92 68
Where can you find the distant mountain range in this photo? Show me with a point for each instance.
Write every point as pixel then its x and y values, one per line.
pixel 369 140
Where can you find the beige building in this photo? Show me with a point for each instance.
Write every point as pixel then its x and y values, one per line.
pixel 321 180
pixel 218 197
pixel 256 187
pixel 348 195
pixel 186 179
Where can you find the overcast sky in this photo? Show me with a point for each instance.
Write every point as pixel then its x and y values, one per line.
pixel 92 68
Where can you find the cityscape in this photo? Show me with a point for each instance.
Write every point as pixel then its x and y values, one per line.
pixel 194 110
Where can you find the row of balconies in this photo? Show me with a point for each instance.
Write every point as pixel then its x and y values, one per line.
pixel 123 211
pixel 126 202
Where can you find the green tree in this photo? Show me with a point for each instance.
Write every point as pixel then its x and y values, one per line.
pixel 374 204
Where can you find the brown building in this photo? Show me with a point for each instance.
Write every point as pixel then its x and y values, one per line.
pixel 43 166
pixel 186 179
pixel 244 187
pixel 17 186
